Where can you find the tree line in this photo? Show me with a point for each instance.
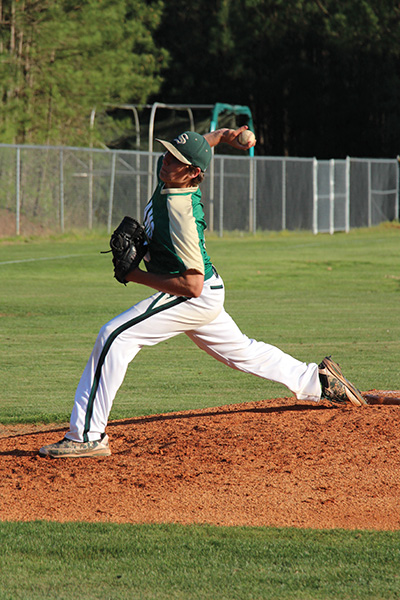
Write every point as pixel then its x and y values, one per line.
pixel 321 77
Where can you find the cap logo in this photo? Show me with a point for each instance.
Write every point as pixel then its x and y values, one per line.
pixel 182 139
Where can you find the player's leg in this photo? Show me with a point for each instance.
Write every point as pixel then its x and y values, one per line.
pixel 223 340
pixel 118 342
pixel 149 322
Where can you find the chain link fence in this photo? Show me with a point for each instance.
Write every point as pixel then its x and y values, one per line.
pixel 57 189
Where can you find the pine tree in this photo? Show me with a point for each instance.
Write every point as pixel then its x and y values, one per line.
pixel 60 59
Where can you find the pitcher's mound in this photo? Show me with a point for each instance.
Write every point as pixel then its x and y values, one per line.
pixel 272 463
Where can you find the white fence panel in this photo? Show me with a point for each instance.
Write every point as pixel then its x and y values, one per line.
pixel 46 188
pixel 331 197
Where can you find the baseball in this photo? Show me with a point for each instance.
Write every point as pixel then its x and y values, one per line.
pixel 246 136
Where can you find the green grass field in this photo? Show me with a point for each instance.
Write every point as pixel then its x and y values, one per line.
pixel 309 295
pixel 130 562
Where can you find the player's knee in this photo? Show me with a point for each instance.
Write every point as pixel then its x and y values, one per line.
pixel 105 332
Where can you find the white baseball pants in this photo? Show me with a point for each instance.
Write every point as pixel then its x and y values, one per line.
pixel 159 318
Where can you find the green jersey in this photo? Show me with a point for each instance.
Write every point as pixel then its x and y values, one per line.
pixel 174 222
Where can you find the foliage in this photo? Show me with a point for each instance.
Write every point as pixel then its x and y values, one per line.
pixel 321 77
pixel 59 59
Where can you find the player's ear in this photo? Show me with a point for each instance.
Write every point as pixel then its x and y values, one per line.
pixel 194 172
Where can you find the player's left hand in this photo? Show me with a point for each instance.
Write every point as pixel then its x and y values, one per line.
pixel 128 245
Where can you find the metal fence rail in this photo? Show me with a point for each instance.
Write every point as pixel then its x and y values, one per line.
pixel 65 188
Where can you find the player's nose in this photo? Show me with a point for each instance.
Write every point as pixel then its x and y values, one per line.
pixel 167 158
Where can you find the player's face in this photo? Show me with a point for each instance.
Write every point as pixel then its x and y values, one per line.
pixel 174 173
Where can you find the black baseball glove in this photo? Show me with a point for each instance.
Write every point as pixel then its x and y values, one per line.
pixel 128 245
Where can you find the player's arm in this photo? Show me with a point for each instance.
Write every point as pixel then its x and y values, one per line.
pixel 227 136
pixel 188 284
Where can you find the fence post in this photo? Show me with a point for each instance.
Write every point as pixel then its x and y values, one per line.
pixel 212 188
pixel 283 194
pixel 90 207
pixel 111 199
pixel 254 163
pixel 315 196
pixel 139 216
pixel 347 199
pixel 18 192
pixel 61 191
pixel 397 208
pixel 252 214
pixel 332 196
pixel 369 194
pixel 221 198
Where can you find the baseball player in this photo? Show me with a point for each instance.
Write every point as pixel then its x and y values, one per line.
pixel 189 298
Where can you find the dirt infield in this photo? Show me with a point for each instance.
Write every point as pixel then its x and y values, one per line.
pixel 277 462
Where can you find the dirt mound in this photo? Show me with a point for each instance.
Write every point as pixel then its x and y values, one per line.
pixel 276 462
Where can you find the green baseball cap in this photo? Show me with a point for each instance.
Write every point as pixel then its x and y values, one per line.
pixel 191 148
